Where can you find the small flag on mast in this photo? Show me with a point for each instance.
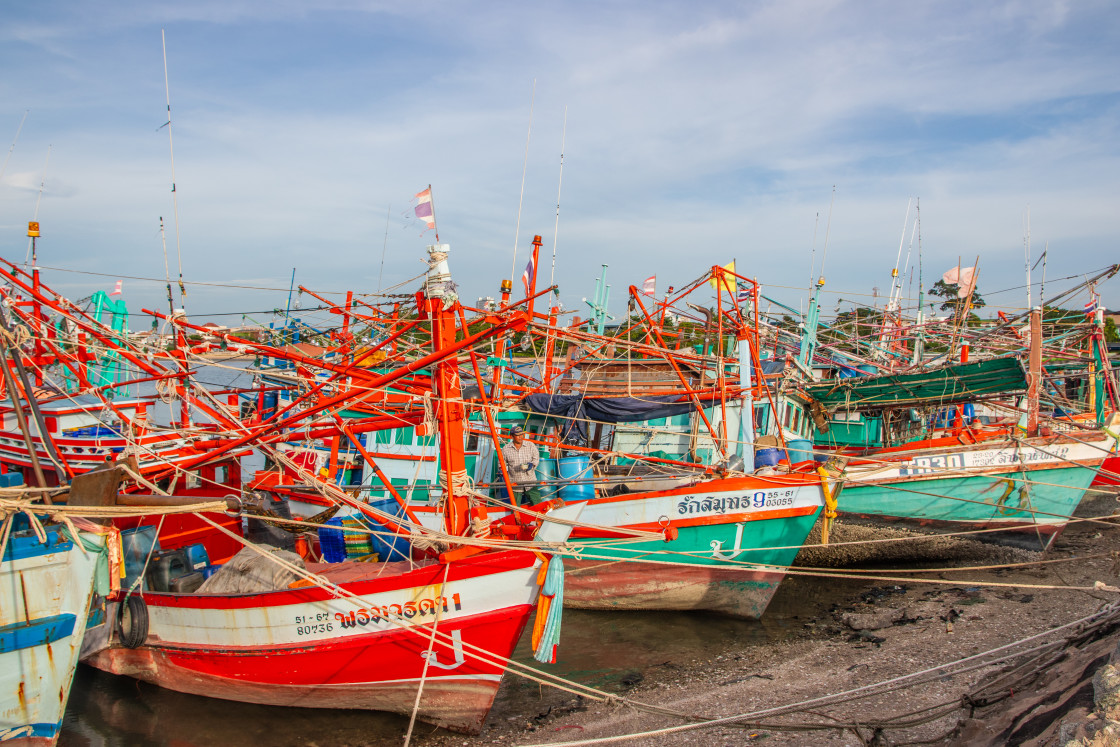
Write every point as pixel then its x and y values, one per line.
pixel 649 287
pixel 423 207
pixel 527 276
pixel 117 290
pixel 1091 306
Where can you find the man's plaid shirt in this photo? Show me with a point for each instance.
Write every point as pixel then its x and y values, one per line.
pixel 516 457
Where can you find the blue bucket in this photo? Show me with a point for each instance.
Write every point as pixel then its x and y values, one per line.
pixel 768 457
pixel 387 547
pixel 800 450
pixel 576 468
pixel 546 472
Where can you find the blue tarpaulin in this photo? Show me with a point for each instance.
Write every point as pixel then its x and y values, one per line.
pixel 577 410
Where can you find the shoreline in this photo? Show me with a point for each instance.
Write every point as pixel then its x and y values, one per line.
pixel 913 626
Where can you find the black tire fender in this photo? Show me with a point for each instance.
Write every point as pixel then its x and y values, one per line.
pixel 132 622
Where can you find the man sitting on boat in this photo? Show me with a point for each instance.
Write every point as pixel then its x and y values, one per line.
pixel 521 461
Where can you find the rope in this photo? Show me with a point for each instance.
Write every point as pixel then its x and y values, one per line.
pixel 427 659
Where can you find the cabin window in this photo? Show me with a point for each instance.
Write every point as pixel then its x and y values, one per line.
pixel 786 415
pixel 403 436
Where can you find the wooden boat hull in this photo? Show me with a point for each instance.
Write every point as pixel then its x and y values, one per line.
pixel 310 649
pixel 651 586
pixel 45 592
pixel 1027 490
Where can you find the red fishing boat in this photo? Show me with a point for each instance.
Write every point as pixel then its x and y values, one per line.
pixel 428 637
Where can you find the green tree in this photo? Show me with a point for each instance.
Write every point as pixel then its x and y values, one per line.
pixel 953 302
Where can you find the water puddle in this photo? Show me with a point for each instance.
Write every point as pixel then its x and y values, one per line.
pixel 611 651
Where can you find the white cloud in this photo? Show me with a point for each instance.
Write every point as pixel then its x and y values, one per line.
pixel 693 131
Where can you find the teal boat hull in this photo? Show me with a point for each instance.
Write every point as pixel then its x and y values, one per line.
pixel 695 571
pixel 1022 509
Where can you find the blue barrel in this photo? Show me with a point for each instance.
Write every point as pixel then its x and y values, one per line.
pixel 869 370
pixel 800 450
pixel 768 457
pixel 546 472
pixel 576 468
pixel 268 406
pixel 332 542
pixel 388 547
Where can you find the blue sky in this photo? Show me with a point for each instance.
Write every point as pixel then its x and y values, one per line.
pixel 696 133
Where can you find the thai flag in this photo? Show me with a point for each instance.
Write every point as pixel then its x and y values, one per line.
pixel 649 287
pixel 1091 306
pixel 117 290
pixel 527 276
pixel 424 207
pixel 743 295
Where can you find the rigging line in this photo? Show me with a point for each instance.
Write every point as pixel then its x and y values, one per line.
pixel 174 193
pixel 559 184
pixel 223 285
pixel 38 201
pixel 14 141
pixel 524 168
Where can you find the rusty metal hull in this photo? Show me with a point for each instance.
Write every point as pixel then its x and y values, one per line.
pixel 311 649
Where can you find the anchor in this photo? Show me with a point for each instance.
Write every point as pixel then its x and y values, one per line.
pixel 717 545
pixel 457 647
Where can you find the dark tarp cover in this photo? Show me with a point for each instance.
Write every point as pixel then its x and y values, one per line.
pixel 577 410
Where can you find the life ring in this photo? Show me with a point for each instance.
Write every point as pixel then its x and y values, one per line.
pixel 132 622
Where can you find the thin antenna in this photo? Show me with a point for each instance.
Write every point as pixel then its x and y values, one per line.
pixel 901 240
pixel 524 166
pixel 813 252
pixel 14 141
pixel 559 184
pixel 174 193
pixel 38 200
pixel 1027 250
pixel 1042 288
pixel 828 229
pixel 385 246
pixel 166 267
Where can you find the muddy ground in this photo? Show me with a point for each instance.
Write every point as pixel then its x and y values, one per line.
pixel 870 631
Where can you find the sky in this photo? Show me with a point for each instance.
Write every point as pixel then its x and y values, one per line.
pixel 778 134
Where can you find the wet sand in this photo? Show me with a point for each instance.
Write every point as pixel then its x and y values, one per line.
pixel 926 625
